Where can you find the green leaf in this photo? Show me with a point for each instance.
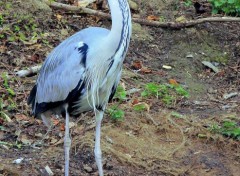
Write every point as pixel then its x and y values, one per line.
pixel 231 1
pixel 11 91
pixel 116 114
pixel 181 91
pixel 121 94
pixel 236 132
pixel 176 115
pixel 139 107
pixel 229 124
pixel 22 37
pixel 5 79
pixel 144 94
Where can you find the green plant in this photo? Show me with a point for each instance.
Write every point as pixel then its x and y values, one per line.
pixel 1 19
pixel 16 28
pixel 151 89
pixel 230 7
pixel 140 107
pixel 17 145
pixel 181 91
pixel 168 99
pixel 120 94
pixel 11 104
pixel 6 84
pixel 116 114
pixel 177 115
pixel 8 5
pixel 5 79
pixel 10 91
pixel 227 128
pixel 3 115
pixel 187 3
pixel 166 92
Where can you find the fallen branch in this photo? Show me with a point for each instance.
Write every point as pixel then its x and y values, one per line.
pixel 172 25
pixel 29 71
pixel 79 9
pixel 176 25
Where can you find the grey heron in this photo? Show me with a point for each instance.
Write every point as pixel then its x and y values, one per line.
pixel 81 74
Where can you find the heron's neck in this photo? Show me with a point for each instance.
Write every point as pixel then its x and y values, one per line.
pixel 121 23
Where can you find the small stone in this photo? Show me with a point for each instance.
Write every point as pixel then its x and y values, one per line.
pixel 39 135
pixel 190 56
pixel 167 67
pixel 53 141
pixel 210 65
pixel 71 124
pixel 48 170
pixel 18 161
pixel 212 91
pixel 87 169
pixel 109 140
pixel 108 166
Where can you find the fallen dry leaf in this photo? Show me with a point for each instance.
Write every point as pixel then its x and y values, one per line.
pixel 20 117
pixel 59 17
pixel 145 70
pixel 173 82
pixel 135 101
pixel 3 49
pixel 34 57
pixel 1 135
pixel 25 140
pixel 144 104
pixel 1 121
pixel 38 121
pixel 221 73
pixel 53 141
pixel 153 18
pixel 137 65
pixel 181 19
pixel 55 122
pixel 62 127
pixel 72 2
pixel 78 130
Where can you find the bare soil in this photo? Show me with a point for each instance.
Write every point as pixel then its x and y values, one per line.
pixel 153 142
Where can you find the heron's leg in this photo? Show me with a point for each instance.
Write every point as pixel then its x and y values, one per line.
pixel 46 118
pixel 67 143
pixel 97 149
pixel 47 121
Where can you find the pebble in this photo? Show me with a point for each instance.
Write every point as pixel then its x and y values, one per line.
pixel 87 168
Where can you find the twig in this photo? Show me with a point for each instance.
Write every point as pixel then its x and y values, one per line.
pixel 132 91
pixel 29 71
pixel 182 133
pixel 171 25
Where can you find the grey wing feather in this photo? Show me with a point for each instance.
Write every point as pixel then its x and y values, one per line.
pixel 55 82
pixel 63 70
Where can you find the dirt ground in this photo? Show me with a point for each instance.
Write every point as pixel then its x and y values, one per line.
pixel 168 140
